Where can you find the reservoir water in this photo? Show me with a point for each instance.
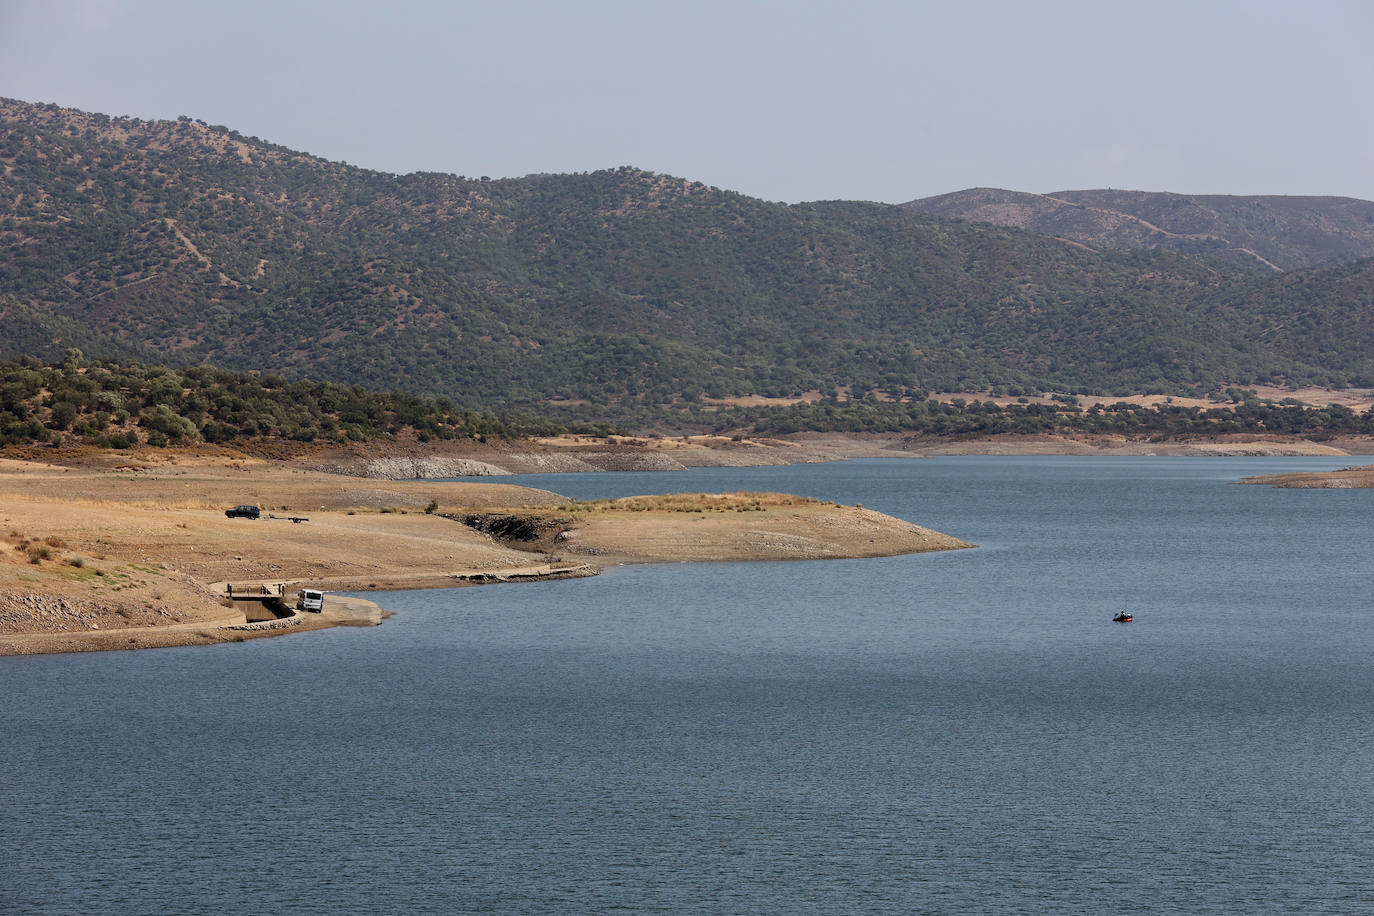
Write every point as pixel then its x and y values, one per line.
pixel 943 733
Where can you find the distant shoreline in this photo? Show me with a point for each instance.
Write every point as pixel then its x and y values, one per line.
pixel 577 454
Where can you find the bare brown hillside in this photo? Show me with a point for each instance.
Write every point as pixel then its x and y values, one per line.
pixel 1276 233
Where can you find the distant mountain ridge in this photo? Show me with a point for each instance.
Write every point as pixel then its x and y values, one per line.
pixel 623 290
pixel 1277 232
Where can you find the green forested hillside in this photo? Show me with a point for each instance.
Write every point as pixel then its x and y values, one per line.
pixel 1319 317
pixel 621 290
pixel 120 404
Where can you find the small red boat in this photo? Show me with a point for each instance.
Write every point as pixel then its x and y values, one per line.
pixel 1123 617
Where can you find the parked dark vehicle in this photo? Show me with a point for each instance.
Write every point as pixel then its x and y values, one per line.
pixel 243 512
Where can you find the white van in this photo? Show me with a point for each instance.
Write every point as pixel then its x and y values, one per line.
pixel 308 599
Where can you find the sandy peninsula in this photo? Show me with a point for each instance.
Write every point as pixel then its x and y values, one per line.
pixel 1353 478
pixel 134 550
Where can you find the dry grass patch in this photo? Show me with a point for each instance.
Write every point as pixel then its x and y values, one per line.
pixel 742 501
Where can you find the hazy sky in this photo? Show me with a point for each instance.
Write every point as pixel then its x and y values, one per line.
pixel 883 101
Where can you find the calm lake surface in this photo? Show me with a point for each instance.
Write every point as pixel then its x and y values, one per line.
pixel 963 732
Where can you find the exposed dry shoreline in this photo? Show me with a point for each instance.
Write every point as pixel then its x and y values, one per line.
pixel 571 454
pixel 136 554
pixel 1354 478
pixel 114 550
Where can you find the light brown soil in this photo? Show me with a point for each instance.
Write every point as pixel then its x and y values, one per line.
pixel 1357 399
pixel 98 558
pixel 1355 478
pixel 839 446
pixel 732 526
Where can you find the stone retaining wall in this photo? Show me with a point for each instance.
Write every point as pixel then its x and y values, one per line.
pixel 280 623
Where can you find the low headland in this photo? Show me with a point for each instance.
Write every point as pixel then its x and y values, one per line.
pixel 1352 478
pixel 121 550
